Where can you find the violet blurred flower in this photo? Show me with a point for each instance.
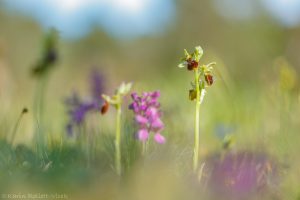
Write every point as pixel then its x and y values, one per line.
pixel 79 112
pixel 97 84
pixel 148 115
pixel 241 175
pixel 78 108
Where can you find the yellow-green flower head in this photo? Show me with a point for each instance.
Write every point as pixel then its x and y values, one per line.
pixel 191 61
pixel 122 91
pixel 203 73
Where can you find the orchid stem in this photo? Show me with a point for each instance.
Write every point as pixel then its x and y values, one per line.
pixel 197 127
pixel 14 133
pixel 39 115
pixel 118 141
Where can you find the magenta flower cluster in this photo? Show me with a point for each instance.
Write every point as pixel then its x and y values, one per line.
pixel 148 116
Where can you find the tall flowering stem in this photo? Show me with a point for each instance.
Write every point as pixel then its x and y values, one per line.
pixel 40 71
pixel 203 78
pixel 148 117
pixel 116 101
pixel 118 140
pixel 197 122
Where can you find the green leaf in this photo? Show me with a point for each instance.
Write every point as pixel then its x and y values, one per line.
pixel 186 54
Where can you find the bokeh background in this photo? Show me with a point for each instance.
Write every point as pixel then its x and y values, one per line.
pixel 255 97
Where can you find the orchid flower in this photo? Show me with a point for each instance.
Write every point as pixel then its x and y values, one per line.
pixel 116 101
pixel 203 79
pixel 148 116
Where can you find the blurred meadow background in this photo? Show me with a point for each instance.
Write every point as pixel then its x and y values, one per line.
pixel 249 119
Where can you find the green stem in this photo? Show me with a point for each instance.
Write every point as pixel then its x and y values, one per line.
pixel 40 99
pixel 118 141
pixel 16 129
pixel 88 148
pixel 39 115
pixel 197 127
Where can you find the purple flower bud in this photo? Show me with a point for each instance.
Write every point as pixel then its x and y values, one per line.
pixel 145 95
pixel 155 94
pixel 154 103
pixel 134 96
pixel 97 85
pixel 159 138
pixel 143 106
pixel 130 107
pixel 141 120
pixel 157 124
pixel 152 113
pixel 143 135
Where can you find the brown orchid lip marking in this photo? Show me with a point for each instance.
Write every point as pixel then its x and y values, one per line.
pixel 191 64
pixel 209 79
pixel 104 108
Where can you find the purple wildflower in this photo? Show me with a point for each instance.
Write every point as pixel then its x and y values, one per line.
pixel 78 108
pixel 97 85
pixel 79 112
pixel 148 115
pixel 241 175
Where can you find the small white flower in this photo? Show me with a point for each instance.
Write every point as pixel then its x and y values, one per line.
pixel 122 91
pixel 197 53
pixel 124 88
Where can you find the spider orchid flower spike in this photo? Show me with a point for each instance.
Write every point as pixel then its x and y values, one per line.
pixel 203 78
pixel 147 113
pixel 116 101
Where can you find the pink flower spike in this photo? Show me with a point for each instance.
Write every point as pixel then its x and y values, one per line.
pixel 143 135
pixel 159 138
pixel 141 120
